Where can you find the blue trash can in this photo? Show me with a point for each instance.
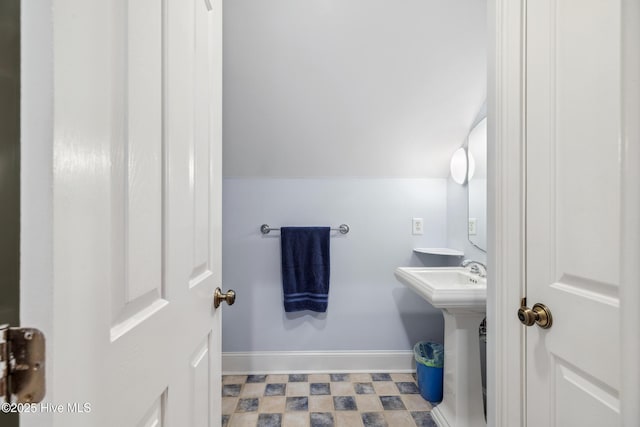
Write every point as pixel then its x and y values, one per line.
pixel 429 363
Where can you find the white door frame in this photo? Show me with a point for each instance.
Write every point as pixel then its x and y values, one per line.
pixel 630 147
pixel 505 388
pixel 36 175
pixel 505 349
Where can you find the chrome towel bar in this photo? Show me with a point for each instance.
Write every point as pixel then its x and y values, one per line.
pixel 265 229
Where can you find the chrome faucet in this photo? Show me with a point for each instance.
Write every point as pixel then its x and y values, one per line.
pixel 475 267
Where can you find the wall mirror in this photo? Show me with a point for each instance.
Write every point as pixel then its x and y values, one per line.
pixel 477 185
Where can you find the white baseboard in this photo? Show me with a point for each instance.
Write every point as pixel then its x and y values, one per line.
pixel 275 362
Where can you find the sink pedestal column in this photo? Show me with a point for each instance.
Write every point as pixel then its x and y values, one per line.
pixel 462 404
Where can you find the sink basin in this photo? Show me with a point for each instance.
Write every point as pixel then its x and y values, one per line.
pixel 462 297
pixel 446 287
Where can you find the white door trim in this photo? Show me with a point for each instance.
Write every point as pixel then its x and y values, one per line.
pixel 505 385
pixel 630 251
pixel 505 378
pixel 36 176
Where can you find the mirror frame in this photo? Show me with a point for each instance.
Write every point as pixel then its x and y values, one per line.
pixel 468 185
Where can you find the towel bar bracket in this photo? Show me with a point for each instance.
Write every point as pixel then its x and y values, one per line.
pixel 343 229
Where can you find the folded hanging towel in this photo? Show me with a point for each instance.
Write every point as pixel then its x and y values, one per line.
pixel 305 268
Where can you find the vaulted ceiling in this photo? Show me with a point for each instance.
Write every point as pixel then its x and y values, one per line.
pixel 371 88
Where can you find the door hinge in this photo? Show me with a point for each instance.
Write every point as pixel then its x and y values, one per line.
pixel 22 360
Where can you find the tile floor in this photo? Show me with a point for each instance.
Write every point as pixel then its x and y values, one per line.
pixel 324 400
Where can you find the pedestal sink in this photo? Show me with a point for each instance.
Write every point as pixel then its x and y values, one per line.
pixel 462 297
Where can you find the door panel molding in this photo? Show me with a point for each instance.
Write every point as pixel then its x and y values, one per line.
pixel 599 406
pixel 154 415
pixel 199 387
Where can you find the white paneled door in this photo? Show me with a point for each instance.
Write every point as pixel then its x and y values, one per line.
pixel 574 196
pixel 136 213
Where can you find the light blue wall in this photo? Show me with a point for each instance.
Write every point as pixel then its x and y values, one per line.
pixel 316 93
pixel 368 308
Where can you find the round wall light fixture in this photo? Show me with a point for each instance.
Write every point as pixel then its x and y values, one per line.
pixel 459 166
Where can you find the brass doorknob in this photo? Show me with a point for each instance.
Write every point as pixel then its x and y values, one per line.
pixel 538 314
pixel 218 297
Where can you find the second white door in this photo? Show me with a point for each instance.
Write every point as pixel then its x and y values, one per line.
pixel 135 339
pixel 573 215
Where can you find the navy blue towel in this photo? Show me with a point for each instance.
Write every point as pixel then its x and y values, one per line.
pixel 305 268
